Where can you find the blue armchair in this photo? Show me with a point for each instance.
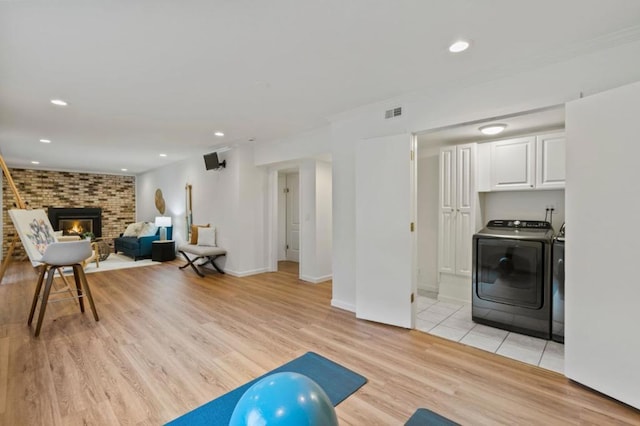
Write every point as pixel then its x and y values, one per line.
pixel 138 247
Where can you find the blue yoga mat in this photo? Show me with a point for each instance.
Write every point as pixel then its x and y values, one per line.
pixel 424 417
pixel 337 381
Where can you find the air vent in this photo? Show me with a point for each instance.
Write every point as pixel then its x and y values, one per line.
pixel 391 113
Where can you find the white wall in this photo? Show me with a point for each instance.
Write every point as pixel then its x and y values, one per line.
pixel 428 176
pixel 231 199
pixel 315 227
pixel 324 221
pixel 602 290
pixel 550 85
pixel 305 145
pixel 529 205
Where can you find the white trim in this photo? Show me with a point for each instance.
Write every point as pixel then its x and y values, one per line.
pixel 452 300
pixel 316 280
pixel 247 273
pixel 343 305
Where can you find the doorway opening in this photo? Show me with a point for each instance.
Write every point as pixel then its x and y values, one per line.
pixel 288 220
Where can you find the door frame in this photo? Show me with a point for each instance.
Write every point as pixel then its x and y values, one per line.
pixel 273 214
pixel 286 193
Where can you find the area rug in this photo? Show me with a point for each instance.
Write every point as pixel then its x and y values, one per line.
pixel 424 417
pixel 114 261
pixel 337 381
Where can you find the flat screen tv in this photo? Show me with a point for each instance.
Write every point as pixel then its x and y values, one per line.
pixel 211 161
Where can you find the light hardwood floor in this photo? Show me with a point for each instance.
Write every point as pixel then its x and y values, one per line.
pixel 169 341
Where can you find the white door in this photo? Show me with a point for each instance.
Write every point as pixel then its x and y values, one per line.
pixel 550 161
pixel 602 348
pixel 512 164
pixel 446 236
pixel 465 208
pixel 385 262
pixel 293 217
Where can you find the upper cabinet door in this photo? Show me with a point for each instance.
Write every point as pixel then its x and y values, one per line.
pixel 512 164
pixel 550 156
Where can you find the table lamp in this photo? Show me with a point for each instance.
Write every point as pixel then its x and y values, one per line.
pixel 162 222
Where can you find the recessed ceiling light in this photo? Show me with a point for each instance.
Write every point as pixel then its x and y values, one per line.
pixel 59 102
pixel 163 155
pixel 45 140
pixel 492 129
pixel 124 170
pixel 219 134
pixel 35 162
pixel 459 46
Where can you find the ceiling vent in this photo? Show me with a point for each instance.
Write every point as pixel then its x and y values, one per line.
pixel 391 113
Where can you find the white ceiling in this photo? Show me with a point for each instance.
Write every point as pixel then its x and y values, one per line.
pixel 149 76
pixel 517 125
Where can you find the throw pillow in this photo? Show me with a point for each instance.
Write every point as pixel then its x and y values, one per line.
pixel 147 229
pixel 194 233
pixel 133 229
pixel 207 237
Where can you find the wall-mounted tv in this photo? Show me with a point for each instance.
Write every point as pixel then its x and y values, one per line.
pixel 211 161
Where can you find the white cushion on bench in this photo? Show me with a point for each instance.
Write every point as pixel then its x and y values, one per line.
pixel 201 250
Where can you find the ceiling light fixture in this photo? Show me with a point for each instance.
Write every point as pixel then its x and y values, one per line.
pixel 59 102
pixel 219 134
pixel 124 170
pixel 459 46
pixel 163 155
pixel 45 140
pixel 35 162
pixel 492 129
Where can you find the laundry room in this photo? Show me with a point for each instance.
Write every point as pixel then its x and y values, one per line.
pixel 490 201
pixel 466 178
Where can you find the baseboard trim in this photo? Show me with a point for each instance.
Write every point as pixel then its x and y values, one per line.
pixel 453 300
pixel 316 280
pixel 343 305
pixel 246 273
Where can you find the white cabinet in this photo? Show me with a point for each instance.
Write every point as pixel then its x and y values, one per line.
pixel 532 162
pixel 550 161
pixel 512 164
pixel 457 209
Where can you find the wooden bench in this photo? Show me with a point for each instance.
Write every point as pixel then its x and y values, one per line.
pixel 201 252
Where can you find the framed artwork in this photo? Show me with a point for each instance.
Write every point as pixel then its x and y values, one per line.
pixel 35 231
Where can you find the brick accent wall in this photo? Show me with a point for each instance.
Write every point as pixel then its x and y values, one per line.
pixel 116 195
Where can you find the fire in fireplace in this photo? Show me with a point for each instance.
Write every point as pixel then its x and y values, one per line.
pixel 76 221
pixel 75 226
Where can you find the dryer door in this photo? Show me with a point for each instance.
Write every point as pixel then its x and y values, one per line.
pixel 510 271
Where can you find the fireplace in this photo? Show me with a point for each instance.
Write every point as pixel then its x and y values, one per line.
pixel 76 221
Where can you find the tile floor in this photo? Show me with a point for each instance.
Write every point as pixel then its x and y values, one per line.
pixel 453 321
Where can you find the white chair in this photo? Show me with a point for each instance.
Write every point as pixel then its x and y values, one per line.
pixel 60 255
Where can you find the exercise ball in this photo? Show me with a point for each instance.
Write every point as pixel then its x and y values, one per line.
pixel 283 399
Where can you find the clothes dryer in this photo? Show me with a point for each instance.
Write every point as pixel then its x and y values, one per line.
pixel 511 276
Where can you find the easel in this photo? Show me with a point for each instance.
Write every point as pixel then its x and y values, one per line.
pixel 19 204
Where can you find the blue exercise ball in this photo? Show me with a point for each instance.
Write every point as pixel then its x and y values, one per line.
pixel 282 399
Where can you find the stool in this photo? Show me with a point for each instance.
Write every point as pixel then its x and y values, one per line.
pixel 56 256
pixel 201 252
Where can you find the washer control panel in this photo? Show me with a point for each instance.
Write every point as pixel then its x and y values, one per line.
pixel 526 224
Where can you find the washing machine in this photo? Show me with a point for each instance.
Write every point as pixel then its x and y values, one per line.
pixel 511 276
